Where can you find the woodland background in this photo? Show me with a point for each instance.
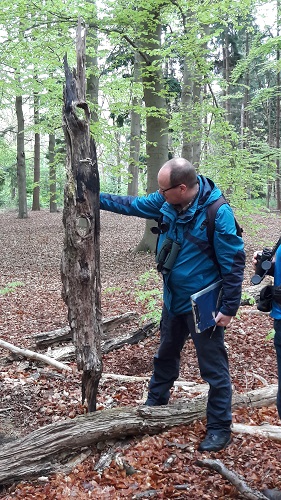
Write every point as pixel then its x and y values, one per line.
pixel 167 78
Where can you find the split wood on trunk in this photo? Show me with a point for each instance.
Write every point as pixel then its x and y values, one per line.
pixel 80 267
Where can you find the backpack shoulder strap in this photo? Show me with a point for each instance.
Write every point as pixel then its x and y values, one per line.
pixel 211 215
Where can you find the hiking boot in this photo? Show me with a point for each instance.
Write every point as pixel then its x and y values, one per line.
pixel 215 442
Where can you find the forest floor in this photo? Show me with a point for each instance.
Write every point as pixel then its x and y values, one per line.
pixel 33 394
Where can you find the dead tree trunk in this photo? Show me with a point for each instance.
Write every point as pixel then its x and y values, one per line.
pixel 80 269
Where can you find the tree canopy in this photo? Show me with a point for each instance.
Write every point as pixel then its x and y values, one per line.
pixel 206 86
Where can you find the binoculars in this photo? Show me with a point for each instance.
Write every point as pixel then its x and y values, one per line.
pixel 263 265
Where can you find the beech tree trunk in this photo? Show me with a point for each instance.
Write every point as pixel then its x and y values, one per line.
pixel 41 451
pixel 156 112
pixel 226 73
pixel 278 118
pixel 36 177
pixel 52 174
pixel 21 166
pixel 133 168
pixel 80 269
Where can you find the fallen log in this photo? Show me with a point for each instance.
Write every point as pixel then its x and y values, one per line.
pixel 42 451
pixel 266 431
pixel 132 338
pixel 257 312
pixel 26 353
pixel 191 387
pixel 236 479
pixel 110 324
pixel 68 352
pixel 258 398
pixel 272 494
pixel 54 357
pixel 44 339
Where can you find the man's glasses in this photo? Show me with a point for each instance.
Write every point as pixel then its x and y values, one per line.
pixel 163 191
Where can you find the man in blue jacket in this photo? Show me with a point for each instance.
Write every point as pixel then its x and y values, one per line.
pixel 189 263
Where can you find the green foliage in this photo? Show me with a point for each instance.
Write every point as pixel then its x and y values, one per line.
pixel 112 289
pixel 10 287
pixel 270 334
pixel 149 293
pixel 36 37
pixel 239 172
pixel 248 297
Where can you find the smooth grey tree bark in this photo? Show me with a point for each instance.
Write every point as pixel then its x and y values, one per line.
pixel 278 120
pixel 52 174
pixel 191 102
pixel 36 177
pixel 133 168
pixel 21 166
pixel 156 113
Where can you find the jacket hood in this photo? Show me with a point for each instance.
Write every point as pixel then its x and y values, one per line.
pixel 208 193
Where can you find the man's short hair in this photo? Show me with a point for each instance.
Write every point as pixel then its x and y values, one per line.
pixel 182 172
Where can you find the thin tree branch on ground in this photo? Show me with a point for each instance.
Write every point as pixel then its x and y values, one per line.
pixel 26 353
pixel 237 480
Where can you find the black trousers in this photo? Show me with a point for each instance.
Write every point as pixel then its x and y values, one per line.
pixel 213 365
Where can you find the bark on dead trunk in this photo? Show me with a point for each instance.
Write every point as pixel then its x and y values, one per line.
pixel 80 267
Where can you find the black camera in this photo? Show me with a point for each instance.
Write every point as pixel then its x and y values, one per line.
pixel 263 265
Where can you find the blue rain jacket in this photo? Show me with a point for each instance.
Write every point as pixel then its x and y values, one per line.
pixel 194 268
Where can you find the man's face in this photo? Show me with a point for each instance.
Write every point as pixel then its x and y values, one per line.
pixel 176 194
pixel 172 193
